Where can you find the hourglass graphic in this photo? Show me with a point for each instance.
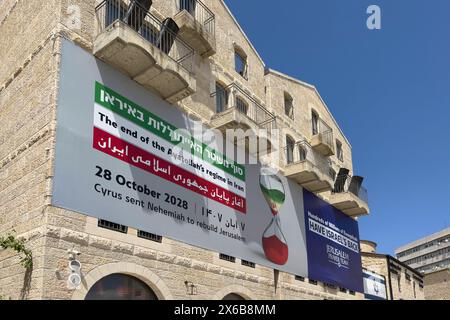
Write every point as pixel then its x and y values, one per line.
pixel 274 243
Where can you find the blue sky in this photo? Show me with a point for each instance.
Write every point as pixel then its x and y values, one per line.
pixel 388 89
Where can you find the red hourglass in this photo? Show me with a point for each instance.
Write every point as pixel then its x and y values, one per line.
pixel 274 243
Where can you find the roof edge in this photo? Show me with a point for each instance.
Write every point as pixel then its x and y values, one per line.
pixel 310 86
pixel 422 240
pixel 388 256
pixel 243 32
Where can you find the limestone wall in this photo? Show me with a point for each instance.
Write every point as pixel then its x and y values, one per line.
pixel 28 98
pixel 437 285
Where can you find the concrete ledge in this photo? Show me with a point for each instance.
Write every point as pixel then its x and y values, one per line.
pixel 349 203
pixel 192 32
pixel 127 51
pixel 309 176
pixel 319 144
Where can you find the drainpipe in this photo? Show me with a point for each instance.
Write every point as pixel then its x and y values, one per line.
pixel 389 277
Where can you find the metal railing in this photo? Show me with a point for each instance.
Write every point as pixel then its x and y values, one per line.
pixel 326 133
pixel 236 97
pixel 346 183
pixel 162 35
pixel 201 13
pixel 303 152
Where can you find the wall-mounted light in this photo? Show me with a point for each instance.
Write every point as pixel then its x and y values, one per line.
pixel 74 279
pixel 191 288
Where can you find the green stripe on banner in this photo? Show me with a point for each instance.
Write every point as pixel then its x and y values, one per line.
pixel 117 103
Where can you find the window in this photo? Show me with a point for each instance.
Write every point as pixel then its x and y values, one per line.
pixel 302 152
pixel 241 105
pixel 339 151
pixel 414 289
pixel 221 98
pixel 240 63
pixel 290 143
pixel 342 290
pixel 112 226
pixel 248 264
pixel 149 236
pixel 288 106
pixel 399 285
pixel 120 287
pixel 315 123
pixel 227 258
pixel 311 281
pixel 300 278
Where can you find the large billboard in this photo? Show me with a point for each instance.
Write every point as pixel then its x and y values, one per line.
pixel 125 155
pixel 332 243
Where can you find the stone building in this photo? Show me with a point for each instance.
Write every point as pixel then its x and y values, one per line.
pixel 437 285
pixel 218 61
pixel 402 282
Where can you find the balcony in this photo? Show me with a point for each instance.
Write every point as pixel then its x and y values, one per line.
pixel 350 196
pixel 197 26
pixel 240 111
pixel 149 51
pixel 322 141
pixel 307 167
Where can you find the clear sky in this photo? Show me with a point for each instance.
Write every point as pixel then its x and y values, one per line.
pixel 388 89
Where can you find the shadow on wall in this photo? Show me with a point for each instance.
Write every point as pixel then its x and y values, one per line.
pixel 26 283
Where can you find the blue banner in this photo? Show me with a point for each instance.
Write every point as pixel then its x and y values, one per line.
pixel 332 245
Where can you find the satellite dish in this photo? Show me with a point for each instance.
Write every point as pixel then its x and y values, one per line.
pixel 74 280
pixel 75 266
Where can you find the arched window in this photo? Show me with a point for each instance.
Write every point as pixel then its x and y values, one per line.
pixel 314 122
pixel 120 287
pixel 233 296
pixel 290 144
pixel 288 105
pixel 240 62
pixel 339 151
pixel 302 152
pixel 241 105
pixel 221 98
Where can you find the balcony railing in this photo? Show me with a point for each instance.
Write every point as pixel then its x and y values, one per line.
pixel 162 35
pixel 201 13
pixel 303 152
pixel 238 98
pixel 325 131
pixel 346 183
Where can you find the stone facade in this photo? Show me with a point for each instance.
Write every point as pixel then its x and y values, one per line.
pixel 402 282
pixel 437 285
pixel 29 75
